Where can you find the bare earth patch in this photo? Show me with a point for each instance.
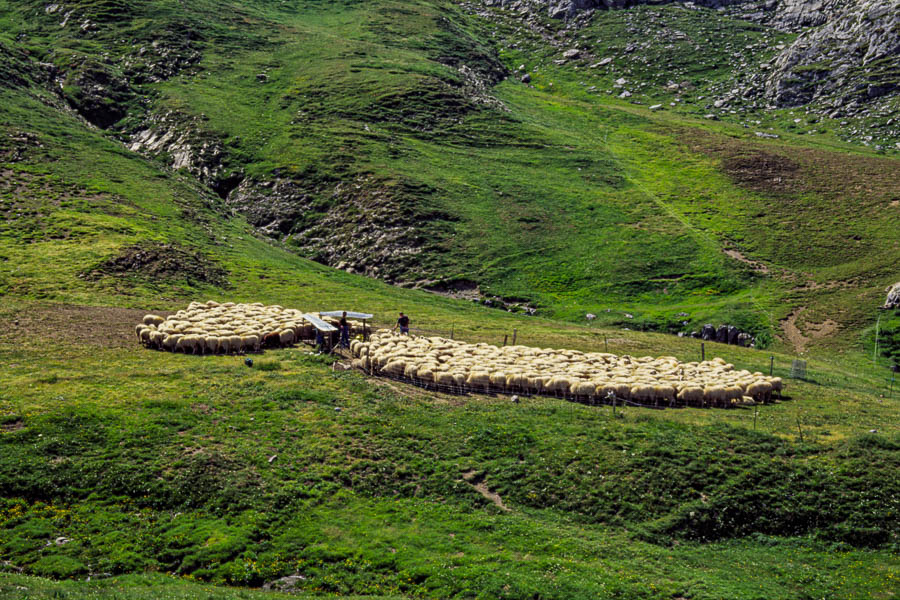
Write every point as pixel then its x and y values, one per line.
pixel 762 171
pixel 812 331
pixel 821 330
pixel 792 332
pixel 477 481
pixel 99 326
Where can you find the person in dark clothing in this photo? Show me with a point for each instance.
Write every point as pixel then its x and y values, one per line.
pixel 320 341
pixel 403 324
pixel 345 331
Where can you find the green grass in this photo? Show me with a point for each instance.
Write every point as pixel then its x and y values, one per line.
pixel 173 454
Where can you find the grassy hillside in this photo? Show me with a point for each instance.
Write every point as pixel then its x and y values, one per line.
pixel 163 475
pixel 372 136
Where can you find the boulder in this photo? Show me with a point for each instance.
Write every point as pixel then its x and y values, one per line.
pixel 893 297
pixel 722 334
pixel 733 333
pixel 708 333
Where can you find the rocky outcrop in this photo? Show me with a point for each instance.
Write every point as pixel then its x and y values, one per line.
pixel 724 334
pixel 97 92
pixel 361 226
pixel 185 144
pixel 846 62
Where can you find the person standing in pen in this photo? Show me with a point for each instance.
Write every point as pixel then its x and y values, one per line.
pixel 403 324
pixel 345 331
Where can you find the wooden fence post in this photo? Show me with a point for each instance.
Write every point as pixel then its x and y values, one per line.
pixel 702 352
pixel 515 333
pixel 505 337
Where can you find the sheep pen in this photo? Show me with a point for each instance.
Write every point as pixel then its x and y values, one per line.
pixel 228 328
pixel 587 377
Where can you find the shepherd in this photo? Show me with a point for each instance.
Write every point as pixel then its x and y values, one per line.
pixel 345 331
pixel 403 324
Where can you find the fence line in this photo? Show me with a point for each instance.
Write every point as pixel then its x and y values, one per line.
pixel 880 384
pixel 615 401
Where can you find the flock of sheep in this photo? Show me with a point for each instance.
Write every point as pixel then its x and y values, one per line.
pixel 227 328
pixel 590 377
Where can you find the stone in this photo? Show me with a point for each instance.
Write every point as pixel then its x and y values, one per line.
pixel 893 297
pixel 573 53
pixel 733 333
pixel 285 584
pixel 708 333
pixel 526 78
pixel 722 334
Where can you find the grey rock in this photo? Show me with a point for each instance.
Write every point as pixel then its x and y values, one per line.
pixel 708 332
pixel 285 584
pixel 893 297
pixel 526 78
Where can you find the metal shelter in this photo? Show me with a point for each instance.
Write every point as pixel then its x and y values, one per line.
pixel 364 317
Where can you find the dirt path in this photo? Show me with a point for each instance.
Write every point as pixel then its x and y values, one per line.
pixel 477 481
pixel 753 264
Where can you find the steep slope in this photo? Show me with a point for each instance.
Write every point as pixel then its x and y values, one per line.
pixel 382 138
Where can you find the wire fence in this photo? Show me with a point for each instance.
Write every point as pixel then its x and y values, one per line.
pixel 592 400
pixel 881 383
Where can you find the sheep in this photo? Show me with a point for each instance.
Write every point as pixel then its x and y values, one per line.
pixel 250 342
pixel 517 382
pixel 156 339
pixel 425 375
pixel 186 343
pixel 153 320
pixel 498 379
pixel 664 393
pixel 642 393
pixel 760 391
pixel 583 389
pixel 286 336
pixel 713 395
pixel 480 380
pixel 691 395
pixel 777 385
pixel 395 368
pixel 445 379
pixel 558 385
pixel 212 344
pixel 271 340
